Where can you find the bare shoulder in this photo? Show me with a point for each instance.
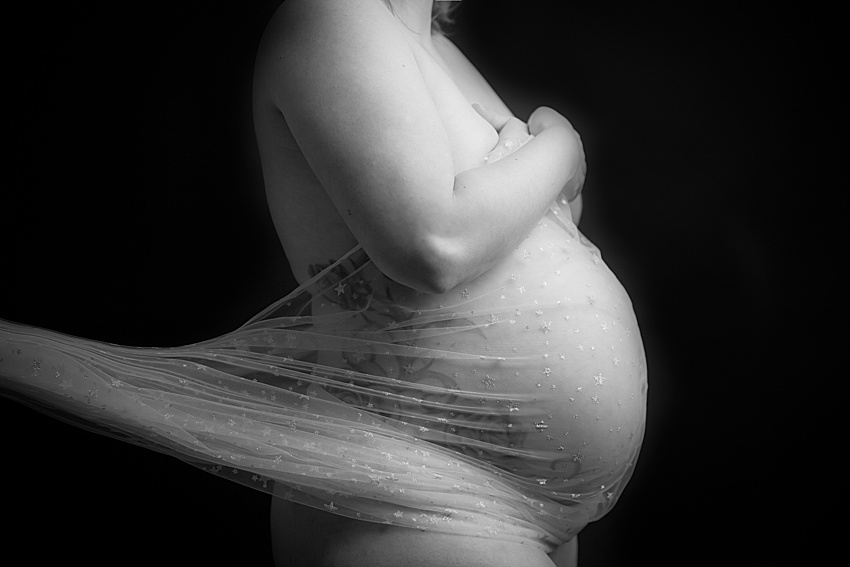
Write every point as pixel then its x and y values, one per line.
pixel 322 38
pixel 344 76
pixel 324 63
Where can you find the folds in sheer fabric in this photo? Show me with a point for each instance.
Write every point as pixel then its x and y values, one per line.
pixel 510 408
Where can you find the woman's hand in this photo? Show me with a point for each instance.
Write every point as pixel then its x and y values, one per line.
pixel 513 132
pixel 545 117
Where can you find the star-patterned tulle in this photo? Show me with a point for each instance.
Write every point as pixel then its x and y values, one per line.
pixel 511 407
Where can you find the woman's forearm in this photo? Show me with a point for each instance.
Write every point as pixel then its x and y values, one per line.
pixel 494 206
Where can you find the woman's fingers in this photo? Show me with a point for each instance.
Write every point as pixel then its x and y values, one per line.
pixel 496 120
pixel 513 132
pixel 513 135
pixel 545 117
pixel 572 190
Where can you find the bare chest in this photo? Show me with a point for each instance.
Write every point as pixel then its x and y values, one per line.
pixel 454 85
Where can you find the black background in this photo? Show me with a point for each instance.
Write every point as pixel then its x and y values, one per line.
pixel 132 212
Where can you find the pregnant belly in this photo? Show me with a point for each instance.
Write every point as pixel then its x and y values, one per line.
pixel 573 370
pixel 544 350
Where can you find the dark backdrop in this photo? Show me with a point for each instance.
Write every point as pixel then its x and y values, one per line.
pixel 132 212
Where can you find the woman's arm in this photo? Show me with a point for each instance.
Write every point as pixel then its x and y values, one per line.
pixel 513 134
pixel 350 89
pixel 502 201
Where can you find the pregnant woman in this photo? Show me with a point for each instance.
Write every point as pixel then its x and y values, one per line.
pixel 458 379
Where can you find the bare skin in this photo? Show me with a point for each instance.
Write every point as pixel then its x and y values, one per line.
pixel 408 182
pixel 304 537
pixel 411 184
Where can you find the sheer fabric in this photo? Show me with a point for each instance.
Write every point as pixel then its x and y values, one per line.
pixel 512 407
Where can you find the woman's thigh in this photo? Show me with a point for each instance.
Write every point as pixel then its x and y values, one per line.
pixel 305 537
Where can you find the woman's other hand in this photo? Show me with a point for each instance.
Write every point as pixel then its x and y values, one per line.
pixel 513 132
pixel 545 117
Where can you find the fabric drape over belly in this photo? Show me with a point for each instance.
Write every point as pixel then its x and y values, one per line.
pixel 511 408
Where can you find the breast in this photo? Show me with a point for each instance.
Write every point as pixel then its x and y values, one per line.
pixel 469 135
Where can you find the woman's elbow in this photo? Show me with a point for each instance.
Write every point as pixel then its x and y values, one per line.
pixel 431 267
pixel 450 265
